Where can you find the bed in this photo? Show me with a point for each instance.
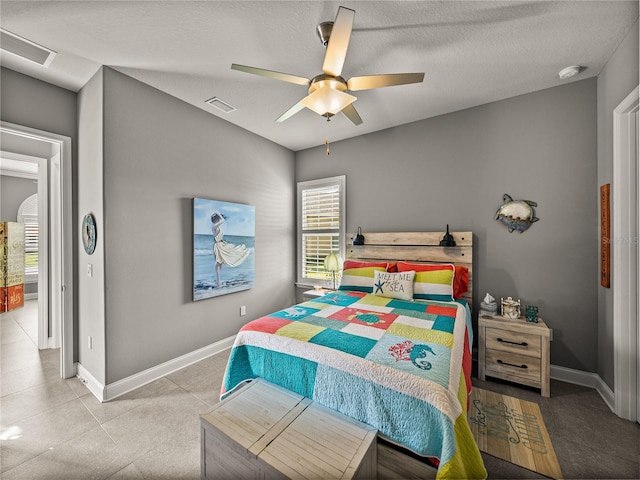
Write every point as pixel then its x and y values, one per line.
pixel 391 347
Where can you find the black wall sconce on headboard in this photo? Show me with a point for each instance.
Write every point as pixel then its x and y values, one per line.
pixel 359 238
pixel 448 240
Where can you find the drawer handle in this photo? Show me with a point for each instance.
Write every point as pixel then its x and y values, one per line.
pixel 511 364
pixel 522 344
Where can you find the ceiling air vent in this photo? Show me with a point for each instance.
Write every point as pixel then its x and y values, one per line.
pixel 220 105
pixel 12 43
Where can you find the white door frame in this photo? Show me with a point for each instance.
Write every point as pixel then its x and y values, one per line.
pixel 61 271
pixel 56 244
pixel 626 221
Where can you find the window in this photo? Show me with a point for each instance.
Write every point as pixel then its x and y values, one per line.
pixel 321 227
pixel 28 214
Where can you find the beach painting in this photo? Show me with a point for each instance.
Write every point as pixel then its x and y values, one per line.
pixel 223 247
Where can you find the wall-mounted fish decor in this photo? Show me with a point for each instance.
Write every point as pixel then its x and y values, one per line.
pixel 516 214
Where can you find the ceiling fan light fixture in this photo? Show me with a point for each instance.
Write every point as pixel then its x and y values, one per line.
pixel 327 100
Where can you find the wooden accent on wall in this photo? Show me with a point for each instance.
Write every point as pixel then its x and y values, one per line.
pixel 605 236
pixel 416 247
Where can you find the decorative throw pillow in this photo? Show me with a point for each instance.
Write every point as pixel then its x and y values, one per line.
pixel 394 285
pixel 432 281
pixel 460 281
pixel 358 276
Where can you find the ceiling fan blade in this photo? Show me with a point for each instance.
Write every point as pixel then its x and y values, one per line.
pixel 351 113
pixel 285 77
pixel 338 42
pixel 368 82
pixel 291 112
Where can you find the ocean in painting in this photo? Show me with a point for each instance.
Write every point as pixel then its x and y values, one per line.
pixel 232 279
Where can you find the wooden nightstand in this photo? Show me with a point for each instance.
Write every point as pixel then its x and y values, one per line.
pixel 313 293
pixel 514 350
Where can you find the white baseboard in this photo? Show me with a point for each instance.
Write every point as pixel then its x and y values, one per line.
pixel 577 377
pixel 586 379
pixel 31 296
pixel 607 394
pixel 90 382
pixel 105 393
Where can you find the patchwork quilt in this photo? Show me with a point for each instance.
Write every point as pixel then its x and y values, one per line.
pixel 402 367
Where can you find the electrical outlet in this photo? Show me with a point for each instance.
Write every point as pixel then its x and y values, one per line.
pixel 89 269
pixel 89 342
pixel 243 310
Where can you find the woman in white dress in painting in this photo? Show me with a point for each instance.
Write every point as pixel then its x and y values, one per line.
pixel 225 253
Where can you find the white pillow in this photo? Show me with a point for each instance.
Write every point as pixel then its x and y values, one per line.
pixel 394 285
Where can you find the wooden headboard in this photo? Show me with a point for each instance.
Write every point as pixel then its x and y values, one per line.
pixel 416 247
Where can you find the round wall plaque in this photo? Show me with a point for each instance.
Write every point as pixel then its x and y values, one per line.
pixel 89 233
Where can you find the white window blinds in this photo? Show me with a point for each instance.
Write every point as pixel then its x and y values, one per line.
pixel 31 245
pixel 321 226
pixel 28 214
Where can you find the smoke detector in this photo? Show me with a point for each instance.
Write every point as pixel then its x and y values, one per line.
pixel 569 72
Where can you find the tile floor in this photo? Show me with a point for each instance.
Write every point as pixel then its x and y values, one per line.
pixel 56 429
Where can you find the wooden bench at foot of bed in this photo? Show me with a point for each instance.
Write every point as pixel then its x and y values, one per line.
pixel 263 431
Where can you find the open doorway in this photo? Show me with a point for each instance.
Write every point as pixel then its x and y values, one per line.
pixel 25 200
pixel 52 154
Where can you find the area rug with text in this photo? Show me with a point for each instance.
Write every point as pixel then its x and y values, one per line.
pixel 513 430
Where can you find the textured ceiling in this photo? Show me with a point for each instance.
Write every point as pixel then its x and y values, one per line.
pixel 472 52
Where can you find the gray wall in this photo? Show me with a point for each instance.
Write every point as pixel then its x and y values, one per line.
pixel 162 153
pixel 454 169
pixel 14 191
pixel 159 153
pixel 615 82
pixel 36 104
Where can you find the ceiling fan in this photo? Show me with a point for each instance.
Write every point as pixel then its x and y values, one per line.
pixel 328 91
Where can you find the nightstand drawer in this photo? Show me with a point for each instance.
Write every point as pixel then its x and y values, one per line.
pixel 514 342
pixel 506 365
